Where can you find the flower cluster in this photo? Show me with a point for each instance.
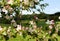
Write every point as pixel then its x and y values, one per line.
pixel 7 12
pixel 33 32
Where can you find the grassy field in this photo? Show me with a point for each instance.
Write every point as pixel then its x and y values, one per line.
pixel 26 23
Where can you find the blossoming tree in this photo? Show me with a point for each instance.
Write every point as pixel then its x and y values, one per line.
pixel 13 8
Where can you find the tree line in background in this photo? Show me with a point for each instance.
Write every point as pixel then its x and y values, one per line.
pixel 33 17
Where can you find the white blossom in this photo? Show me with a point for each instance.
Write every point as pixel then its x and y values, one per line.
pixel 49 32
pixel 13 21
pixel 44 36
pixel 48 22
pixel 4 10
pixel 21 0
pixel 0 28
pixel 7 17
pixel 9 29
pixel 18 27
pixel 31 22
pixel 59 17
pixel 0 15
pixel 50 27
pixel 10 2
pixel 36 0
pixel 52 22
pixel 54 35
pixel 27 28
pixel 34 26
pixel 30 30
pixel 36 18
pixel 26 2
pixel 13 14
